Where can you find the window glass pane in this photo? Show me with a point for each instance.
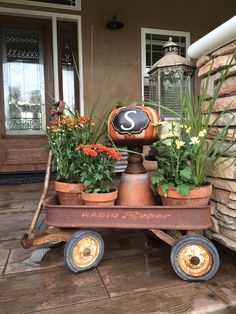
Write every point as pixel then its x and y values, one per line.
pixel 68 74
pixel 154 47
pixel 23 77
pixel 146 88
pixel 65 2
pixel 167 86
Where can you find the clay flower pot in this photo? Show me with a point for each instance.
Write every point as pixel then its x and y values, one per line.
pixel 198 196
pixel 69 193
pixel 99 199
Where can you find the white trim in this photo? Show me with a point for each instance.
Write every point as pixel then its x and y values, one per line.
pixel 218 37
pixel 143 58
pixel 77 5
pixel 145 31
pixel 55 59
pixel 80 58
pixel 41 14
pixel 56 16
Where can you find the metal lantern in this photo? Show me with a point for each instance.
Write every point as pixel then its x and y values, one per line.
pixel 168 76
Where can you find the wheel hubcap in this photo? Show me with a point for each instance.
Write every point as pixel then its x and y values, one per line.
pixel 194 259
pixel 85 252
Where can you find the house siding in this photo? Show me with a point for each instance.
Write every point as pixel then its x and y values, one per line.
pixel 114 70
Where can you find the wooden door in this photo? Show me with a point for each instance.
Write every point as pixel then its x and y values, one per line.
pixel 26 88
pixel 26 85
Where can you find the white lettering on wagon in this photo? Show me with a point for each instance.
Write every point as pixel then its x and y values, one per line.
pixel 128 215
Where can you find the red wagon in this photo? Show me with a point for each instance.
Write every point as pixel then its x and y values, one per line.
pixel 193 257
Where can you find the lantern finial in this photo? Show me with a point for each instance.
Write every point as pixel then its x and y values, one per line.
pixel 170 46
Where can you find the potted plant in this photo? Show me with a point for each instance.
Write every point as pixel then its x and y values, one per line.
pixel 97 164
pixel 189 149
pixel 64 135
pixel 182 166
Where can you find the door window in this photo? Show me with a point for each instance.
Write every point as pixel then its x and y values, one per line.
pixel 152 50
pixel 68 76
pixel 23 81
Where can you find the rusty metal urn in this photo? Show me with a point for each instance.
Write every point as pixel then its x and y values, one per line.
pixel 133 126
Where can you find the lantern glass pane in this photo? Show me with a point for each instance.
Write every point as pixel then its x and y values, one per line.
pixel 170 89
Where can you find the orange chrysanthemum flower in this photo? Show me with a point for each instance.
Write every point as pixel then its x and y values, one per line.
pixel 83 119
pixel 114 154
pixel 53 128
pixel 55 122
pixel 89 152
pixel 94 149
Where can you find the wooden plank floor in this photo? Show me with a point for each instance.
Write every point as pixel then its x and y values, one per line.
pixel 135 275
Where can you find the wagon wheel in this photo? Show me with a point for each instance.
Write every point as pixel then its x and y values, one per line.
pixel 84 250
pixel 194 258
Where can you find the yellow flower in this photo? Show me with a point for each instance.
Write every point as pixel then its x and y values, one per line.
pixel 165 136
pixel 188 130
pixel 194 140
pixel 179 144
pixel 202 133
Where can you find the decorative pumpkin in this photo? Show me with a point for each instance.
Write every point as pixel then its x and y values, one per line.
pixel 133 125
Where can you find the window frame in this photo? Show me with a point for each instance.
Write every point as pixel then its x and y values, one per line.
pixel 154 31
pixel 39 28
pixel 77 5
pixel 54 17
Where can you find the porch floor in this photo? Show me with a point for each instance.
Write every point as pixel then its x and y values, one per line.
pixel 135 275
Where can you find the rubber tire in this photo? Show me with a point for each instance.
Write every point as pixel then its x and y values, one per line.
pixel 178 245
pixel 72 242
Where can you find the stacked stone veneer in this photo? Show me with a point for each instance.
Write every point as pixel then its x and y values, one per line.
pixel 223 176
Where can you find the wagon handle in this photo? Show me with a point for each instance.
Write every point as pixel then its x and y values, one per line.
pixel 27 239
pixel 28 236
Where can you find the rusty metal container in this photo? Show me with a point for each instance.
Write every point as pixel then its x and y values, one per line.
pixel 129 217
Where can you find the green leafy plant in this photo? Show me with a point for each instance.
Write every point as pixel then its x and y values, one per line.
pixel 64 135
pixel 178 154
pixel 189 150
pixel 71 130
pixel 97 164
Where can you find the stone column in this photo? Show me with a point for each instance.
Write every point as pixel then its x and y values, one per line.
pixel 223 176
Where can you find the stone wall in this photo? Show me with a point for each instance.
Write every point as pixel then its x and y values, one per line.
pixel 223 176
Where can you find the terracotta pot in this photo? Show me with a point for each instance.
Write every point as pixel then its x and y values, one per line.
pixel 198 196
pixel 135 189
pixel 69 193
pixel 99 199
